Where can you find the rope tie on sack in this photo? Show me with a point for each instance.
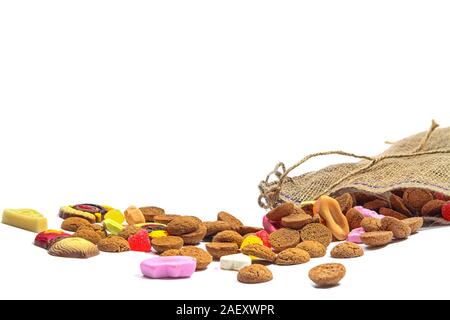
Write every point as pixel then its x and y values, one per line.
pixel 270 191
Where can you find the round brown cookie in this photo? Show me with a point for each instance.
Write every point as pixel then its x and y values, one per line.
pixel 281 211
pixel 392 213
pixel 327 274
pixel 95 227
pixel 214 227
pixel 129 231
pixel 259 251
pixel 284 238
pixel 296 221
pixel 317 232
pixel 171 252
pixel 182 225
pixel 398 192
pixel 247 229
pixel 228 236
pixel 219 249
pixel 194 237
pixel 299 210
pixel 162 244
pixel 203 258
pixel 377 238
pixel 165 218
pixel 415 198
pixel 398 228
pixel 133 215
pixel 354 218
pixel 345 202
pixel 234 222
pixel 414 223
pixel 150 212
pixel 113 244
pixel 256 273
pixel 308 208
pixel 292 256
pixel 361 198
pixel 73 247
pixel 347 250
pixel 370 224
pixel 398 205
pixel 72 224
pixel 88 234
pixel 376 204
pixel 433 208
pixel 314 248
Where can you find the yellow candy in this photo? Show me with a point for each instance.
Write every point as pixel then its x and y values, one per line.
pixel 251 240
pixel 158 234
pixel 115 215
pixel 112 226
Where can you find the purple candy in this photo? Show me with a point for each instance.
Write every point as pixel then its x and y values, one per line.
pixel 355 235
pixel 168 267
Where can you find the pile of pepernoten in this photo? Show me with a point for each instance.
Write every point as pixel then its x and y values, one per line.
pixel 292 234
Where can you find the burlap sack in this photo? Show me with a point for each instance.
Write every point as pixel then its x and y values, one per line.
pixel 421 160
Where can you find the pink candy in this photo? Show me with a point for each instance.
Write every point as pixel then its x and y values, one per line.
pixel 270 226
pixel 369 213
pixel 355 235
pixel 168 267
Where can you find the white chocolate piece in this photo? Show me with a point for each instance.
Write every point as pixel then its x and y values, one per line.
pixel 27 219
pixel 235 261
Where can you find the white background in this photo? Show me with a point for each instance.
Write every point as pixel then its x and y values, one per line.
pixel 188 105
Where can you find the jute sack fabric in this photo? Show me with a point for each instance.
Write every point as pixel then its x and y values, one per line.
pixel 420 161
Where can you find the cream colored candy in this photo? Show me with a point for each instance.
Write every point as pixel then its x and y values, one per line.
pixel 27 219
pixel 134 215
pixel 235 261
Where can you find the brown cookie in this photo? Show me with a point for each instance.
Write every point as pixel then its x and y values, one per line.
pixel 281 211
pixel 296 221
pixel 247 229
pixel 259 251
pixel 317 232
pixel 314 248
pixel 299 210
pixel 398 205
pixel 370 224
pixel 354 218
pixel 375 205
pixel 398 228
pixel 228 236
pixel 219 249
pixel 73 247
pixel 129 231
pixel 433 208
pixel 327 274
pixel 214 227
pixel 361 198
pixel 347 250
pixel 256 273
pixel 99 229
pixel 194 237
pixel 150 212
pixel 284 238
pixel 165 218
pixel 182 225
pixel 72 224
pixel 345 202
pixel 415 198
pixel 171 252
pixel 113 244
pixel 88 234
pixel 308 209
pixel 392 213
pixel 234 222
pixel 414 223
pixel 398 193
pixel 292 256
pixel 203 258
pixel 162 244
pixel 377 238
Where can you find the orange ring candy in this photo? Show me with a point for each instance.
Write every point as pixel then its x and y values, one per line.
pixel 330 211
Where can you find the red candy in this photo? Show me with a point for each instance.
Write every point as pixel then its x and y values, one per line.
pixel 264 236
pixel 446 211
pixel 140 242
